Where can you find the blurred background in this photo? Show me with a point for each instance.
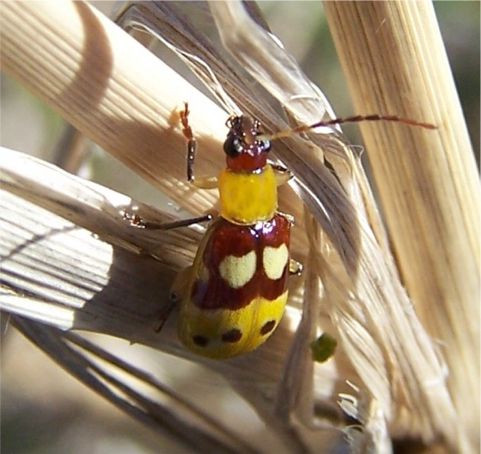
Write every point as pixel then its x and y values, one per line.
pixel 43 408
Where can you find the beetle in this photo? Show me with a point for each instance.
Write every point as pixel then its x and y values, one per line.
pixel 237 287
pixel 233 296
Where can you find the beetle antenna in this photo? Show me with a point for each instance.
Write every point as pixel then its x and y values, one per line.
pixel 353 119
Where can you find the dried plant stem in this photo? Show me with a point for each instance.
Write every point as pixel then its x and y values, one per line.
pixel 110 88
pixel 395 62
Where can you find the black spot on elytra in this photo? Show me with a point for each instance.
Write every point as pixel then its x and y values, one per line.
pixel 232 335
pixel 201 341
pixel 268 327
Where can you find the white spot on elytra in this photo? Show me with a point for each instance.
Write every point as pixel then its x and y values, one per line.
pixel 275 260
pixel 238 271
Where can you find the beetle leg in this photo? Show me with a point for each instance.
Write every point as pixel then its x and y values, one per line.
pixel 202 182
pixel 180 284
pixel 159 323
pixel 176 294
pixel 206 182
pixel 283 174
pixel 191 142
pixel 136 221
pixel 295 267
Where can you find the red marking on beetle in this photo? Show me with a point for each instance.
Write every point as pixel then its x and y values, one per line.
pixel 201 341
pixel 226 238
pixel 268 327
pixel 232 336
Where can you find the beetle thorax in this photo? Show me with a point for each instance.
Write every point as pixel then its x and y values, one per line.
pixel 248 197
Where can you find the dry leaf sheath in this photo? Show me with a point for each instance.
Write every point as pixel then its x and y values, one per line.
pixel 428 183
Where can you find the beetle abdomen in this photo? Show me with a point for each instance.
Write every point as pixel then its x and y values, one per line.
pixel 238 289
pixel 222 333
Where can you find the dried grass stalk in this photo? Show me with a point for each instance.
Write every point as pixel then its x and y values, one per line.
pixel 395 61
pixel 109 87
pixel 131 111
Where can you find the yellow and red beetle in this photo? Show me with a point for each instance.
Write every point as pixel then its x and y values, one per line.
pixel 236 289
pixel 233 296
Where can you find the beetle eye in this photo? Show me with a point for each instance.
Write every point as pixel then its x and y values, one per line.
pixel 233 146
